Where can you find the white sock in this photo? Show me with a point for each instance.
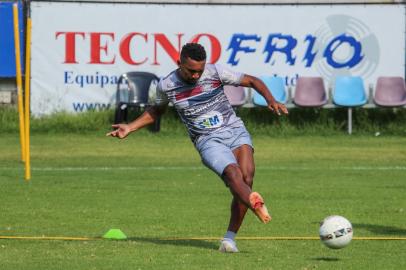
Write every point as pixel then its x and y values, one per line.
pixel 230 235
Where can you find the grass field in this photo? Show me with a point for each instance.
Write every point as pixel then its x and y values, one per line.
pixel 153 187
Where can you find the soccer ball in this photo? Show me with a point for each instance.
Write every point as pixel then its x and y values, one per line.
pixel 335 232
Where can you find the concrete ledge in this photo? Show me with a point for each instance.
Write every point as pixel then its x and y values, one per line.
pixel 245 2
pixel 5 97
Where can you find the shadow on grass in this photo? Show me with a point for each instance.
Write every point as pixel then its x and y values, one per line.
pixel 186 243
pixel 380 229
pixel 326 259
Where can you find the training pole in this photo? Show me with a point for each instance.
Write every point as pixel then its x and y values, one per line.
pixel 27 101
pixel 19 80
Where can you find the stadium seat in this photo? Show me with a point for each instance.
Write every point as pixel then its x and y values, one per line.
pixel 235 94
pixel 277 87
pixel 390 92
pixel 135 90
pixel 349 92
pixel 310 92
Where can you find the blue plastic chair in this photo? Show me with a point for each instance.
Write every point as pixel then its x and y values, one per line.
pixel 349 91
pixel 277 87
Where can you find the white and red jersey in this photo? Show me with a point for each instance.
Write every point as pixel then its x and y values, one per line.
pixel 203 106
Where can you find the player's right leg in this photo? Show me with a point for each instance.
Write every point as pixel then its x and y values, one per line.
pixel 232 175
pixel 216 154
pixel 245 158
pixel 220 158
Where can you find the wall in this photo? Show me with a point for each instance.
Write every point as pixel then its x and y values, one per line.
pixel 77 59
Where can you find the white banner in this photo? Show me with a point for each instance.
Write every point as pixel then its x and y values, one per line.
pixel 80 49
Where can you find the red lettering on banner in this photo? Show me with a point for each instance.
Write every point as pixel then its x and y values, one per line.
pixel 125 48
pixel 167 46
pixel 70 45
pixel 215 46
pixel 96 48
pixel 103 45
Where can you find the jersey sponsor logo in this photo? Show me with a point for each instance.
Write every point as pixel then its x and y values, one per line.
pixel 210 120
pixel 199 108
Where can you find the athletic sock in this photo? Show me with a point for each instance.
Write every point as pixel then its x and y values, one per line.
pixel 230 235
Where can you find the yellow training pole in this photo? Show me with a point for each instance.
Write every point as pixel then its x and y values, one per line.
pixel 19 80
pixel 27 101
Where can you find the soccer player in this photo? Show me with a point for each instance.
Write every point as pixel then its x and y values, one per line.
pixel 196 91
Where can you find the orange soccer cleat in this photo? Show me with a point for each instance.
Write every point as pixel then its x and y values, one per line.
pixel 259 208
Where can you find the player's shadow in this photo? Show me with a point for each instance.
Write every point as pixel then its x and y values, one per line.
pixel 180 242
pixel 380 229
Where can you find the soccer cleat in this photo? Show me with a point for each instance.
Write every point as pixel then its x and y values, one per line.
pixel 228 246
pixel 259 208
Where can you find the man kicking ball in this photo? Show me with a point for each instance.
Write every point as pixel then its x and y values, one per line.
pixel 196 91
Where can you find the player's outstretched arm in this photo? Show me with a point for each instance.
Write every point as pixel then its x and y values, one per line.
pixel 148 117
pixel 261 88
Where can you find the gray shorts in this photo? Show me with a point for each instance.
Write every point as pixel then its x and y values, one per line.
pixel 216 148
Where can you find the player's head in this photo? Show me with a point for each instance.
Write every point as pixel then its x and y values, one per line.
pixel 193 51
pixel 192 62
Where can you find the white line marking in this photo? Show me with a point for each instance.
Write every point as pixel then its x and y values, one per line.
pixel 196 168
pixel 68 238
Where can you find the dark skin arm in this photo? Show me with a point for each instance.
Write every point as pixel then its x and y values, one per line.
pixel 152 113
pixel 260 87
pixel 148 117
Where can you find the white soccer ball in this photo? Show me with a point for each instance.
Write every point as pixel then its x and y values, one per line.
pixel 335 232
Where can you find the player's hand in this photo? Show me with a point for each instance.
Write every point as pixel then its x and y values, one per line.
pixel 277 108
pixel 121 131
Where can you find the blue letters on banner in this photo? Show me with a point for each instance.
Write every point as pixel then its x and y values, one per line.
pixel 235 46
pixel 284 44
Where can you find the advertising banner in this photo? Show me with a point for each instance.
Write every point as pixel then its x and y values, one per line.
pixel 7 48
pixel 80 49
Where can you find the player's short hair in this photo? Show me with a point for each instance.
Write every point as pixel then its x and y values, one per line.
pixel 194 51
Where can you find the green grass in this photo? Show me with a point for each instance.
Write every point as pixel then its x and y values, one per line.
pixel 153 186
pixel 300 121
